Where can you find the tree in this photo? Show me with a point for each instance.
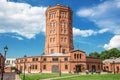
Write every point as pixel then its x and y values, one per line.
pixel 114 52
pixel 110 53
pixel 94 54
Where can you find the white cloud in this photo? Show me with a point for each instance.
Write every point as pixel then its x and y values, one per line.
pixel 114 42
pixel 105 15
pixel 17 37
pixel 86 33
pixel 21 18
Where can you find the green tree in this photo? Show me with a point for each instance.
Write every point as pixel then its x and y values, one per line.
pixel 114 52
pixel 94 54
pixel 104 55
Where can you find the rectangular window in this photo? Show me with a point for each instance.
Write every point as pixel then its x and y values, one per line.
pixel 54 59
pixel 35 66
pixel 74 56
pixel 77 56
pixel 80 56
pixel 33 59
pixel 66 66
pixel 36 59
pixel 44 66
pixel 44 59
pixel 63 50
pixel 65 59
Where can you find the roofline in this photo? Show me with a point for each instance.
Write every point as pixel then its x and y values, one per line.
pixel 93 57
pixel 28 57
pixel 1 55
pixel 77 50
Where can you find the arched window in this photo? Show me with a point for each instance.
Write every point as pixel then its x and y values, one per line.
pixel 64 31
pixel 74 56
pixel 50 39
pixel 80 56
pixel 77 56
pixel 65 24
pixel 53 39
pixel 65 39
pixel 53 24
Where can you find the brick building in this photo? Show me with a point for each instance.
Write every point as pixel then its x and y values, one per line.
pixel 59 55
pixel 1 62
pixel 112 65
pixel 10 64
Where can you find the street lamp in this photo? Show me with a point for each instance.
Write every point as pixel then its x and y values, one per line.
pixel 29 68
pixel 60 68
pixel 24 68
pixel 114 66
pixel 5 50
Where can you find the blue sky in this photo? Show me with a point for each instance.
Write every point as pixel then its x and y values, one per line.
pixel 96 25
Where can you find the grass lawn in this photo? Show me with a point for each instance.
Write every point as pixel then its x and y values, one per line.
pixel 42 76
pixel 94 77
pixel 79 77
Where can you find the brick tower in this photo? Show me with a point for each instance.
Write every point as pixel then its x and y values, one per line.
pixel 59 37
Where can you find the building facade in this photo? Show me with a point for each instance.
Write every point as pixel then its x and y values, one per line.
pixel 1 62
pixel 59 55
pixel 59 38
pixel 10 64
pixel 112 65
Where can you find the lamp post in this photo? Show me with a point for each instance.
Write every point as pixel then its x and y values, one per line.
pixel 24 68
pixel 29 68
pixel 114 66
pixel 60 68
pixel 5 50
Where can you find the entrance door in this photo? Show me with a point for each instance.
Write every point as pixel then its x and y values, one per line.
pixel 117 69
pixel 93 68
pixel 78 68
pixel 55 68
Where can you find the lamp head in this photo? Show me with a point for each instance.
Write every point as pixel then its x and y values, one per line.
pixel 5 48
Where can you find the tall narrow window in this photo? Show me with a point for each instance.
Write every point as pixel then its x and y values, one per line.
pixel 65 39
pixel 80 56
pixel 64 24
pixel 74 56
pixel 35 66
pixel 63 50
pixel 66 66
pixel 44 66
pixel 77 56
pixel 66 59
pixel 53 39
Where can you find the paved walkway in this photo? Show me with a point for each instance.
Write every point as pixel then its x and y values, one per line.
pixel 17 77
pixel 8 76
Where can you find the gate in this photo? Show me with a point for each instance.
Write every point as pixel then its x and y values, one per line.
pixel 55 69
